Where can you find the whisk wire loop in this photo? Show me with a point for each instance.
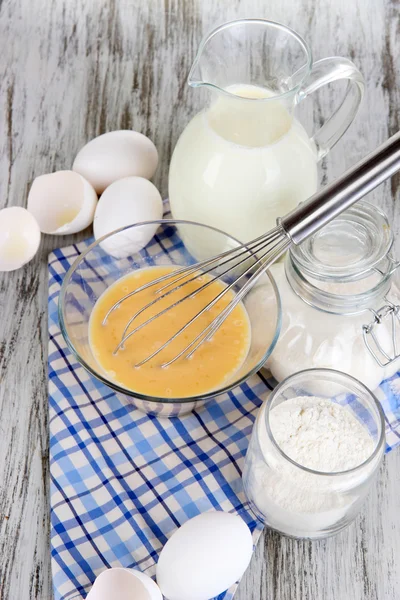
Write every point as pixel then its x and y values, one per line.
pixel 178 287
pixel 185 271
pixel 280 246
pixel 209 331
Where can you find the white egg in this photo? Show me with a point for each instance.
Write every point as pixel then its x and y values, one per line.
pixel 203 558
pixel 116 155
pixel 62 202
pixel 19 237
pixel 125 202
pixel 124 584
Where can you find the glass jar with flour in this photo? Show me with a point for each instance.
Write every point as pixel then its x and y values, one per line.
pixel 340 303
pixel 314 451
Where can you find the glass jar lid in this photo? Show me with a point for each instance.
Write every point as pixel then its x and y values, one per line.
pixel 346 267
pixel 352 246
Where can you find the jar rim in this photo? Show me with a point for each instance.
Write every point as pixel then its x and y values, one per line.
pixel 353 247
pixel 339 304
pixel 331 373
pixel 348 248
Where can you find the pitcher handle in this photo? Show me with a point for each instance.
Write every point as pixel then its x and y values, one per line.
pixel 326 71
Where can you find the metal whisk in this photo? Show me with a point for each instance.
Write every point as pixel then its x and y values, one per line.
pixel 293 228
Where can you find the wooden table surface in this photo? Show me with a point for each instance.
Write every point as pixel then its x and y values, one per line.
pixel 72 69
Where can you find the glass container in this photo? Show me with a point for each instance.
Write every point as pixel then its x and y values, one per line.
pixel 246 159
pixel 96 269
pixel 340 301
pixel 299 501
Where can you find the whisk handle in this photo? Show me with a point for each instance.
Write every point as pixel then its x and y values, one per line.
pixel 333 199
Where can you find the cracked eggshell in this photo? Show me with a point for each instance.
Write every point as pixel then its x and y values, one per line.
pixel 116 155
pixel 62 202
pixel 126 202
pixel 19 237
pixel 204 557
pixel 124 584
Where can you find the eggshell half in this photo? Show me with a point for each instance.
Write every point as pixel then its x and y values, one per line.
pixel 116 155
pixel 19 237
pixel 124 584
pixel 150 585
pixel 62 202
pixel 125 202
pixel 203 558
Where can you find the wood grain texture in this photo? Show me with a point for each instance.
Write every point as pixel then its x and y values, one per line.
pixel 70 70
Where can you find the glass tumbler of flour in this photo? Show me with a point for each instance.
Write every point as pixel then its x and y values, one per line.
pixel 245 159
pixel 315 449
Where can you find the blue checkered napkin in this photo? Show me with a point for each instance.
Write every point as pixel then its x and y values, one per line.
pixel 388 395
pixel 121 481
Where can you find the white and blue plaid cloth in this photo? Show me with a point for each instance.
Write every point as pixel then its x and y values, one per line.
pixel 121 481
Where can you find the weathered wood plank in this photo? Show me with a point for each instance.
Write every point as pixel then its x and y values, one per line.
pixel 71 70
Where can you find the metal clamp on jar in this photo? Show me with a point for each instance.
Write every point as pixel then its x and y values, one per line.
pixel 330 286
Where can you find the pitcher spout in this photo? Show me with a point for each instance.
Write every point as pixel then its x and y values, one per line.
pixel 213 62
pixel 195 76
pixel 249 52
pixel 204 71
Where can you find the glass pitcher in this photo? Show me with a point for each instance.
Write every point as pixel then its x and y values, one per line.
pixel 245 159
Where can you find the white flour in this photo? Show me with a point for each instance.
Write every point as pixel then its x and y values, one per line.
pixel 313 338
pixel 318 434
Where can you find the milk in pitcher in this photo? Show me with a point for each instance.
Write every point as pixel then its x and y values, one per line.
pixel 241 163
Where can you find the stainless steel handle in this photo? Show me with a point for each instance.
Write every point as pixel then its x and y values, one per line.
pixel 333 199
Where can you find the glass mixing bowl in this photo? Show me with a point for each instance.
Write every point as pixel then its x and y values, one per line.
pixel 180 243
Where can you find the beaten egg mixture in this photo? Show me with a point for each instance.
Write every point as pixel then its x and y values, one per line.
pixel 210 366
